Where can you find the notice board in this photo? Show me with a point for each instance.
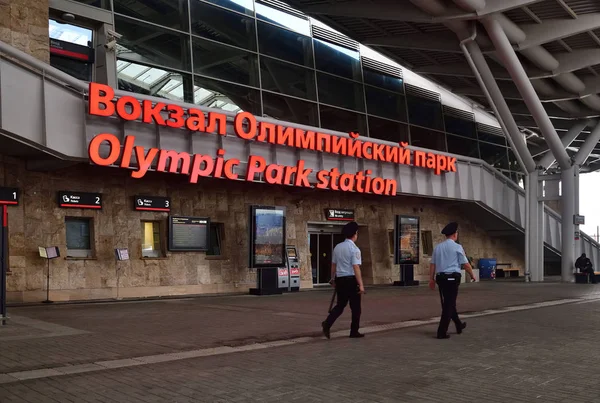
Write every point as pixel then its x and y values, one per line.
pixel 189 234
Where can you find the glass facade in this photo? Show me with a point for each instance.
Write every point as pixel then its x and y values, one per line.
pixel 241 55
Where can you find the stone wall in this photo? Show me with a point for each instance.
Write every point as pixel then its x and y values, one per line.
pixel 38 221
pixel 24 25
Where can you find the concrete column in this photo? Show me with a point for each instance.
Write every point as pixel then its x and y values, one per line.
pixel 578 243
pixel 568 228
pixel 534 230
pixel 106 60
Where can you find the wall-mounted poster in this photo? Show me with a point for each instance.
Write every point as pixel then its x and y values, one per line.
pixel 406 236
pixel 267 237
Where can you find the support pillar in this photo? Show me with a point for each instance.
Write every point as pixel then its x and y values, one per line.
pixel 568 228
pixel 534 230
pixel 578 242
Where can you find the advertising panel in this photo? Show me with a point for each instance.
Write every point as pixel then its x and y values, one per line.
pixel 267 247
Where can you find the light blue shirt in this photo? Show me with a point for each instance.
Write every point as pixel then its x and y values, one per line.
pixel 345 255
pixel 448 256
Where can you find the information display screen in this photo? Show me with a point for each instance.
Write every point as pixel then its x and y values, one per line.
pixel 407 240
pixel 189 234
pixel 268 236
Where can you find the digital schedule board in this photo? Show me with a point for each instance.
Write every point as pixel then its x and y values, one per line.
pixel 406 240
pixel 189 234
pixel 267 236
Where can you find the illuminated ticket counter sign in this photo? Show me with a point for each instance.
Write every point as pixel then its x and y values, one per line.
pixel 246 127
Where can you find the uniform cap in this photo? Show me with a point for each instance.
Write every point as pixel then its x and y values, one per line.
pixel 350 229
pixel 450 229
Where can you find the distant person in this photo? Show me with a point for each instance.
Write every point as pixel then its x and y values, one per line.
pixel 584 265
pixel 346 277
pixel 444 270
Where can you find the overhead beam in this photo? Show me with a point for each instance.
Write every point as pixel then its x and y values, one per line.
pixel 566 139
pixel 389 10
pixel 588 146
pixel 555 29
pixel 457 70
pixel 435 41
pixel 482 8
pixel 513 94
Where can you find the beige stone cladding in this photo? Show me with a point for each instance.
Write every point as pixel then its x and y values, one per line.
pixel 24 25
pixel 38 221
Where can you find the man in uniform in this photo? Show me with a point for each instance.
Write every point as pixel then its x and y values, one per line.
pixel 347 279
pixel 444 270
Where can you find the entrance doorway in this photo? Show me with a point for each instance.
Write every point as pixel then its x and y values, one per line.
pixel 321 250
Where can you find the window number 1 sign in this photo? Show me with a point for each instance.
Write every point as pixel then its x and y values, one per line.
pixel 9 196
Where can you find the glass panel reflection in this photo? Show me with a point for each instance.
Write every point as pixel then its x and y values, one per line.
pixel 494 155
pixel 430 139
pixel 225 62
pixel 513 164
pixel 223 26
pixel 343 121
pixel 340 92
pixel 287 78
pixel 384 129
pixel 462 146
pixel 282 18
pixel 284 44
pixel 385 104
pixel 143 43
pixel 168 13
pixel 492 138
pixel 230 97
pixel 290 109
pixel 382 80
pixel 242 6
pixel 337 60
pixel 153 81
pixel 425 112
pixel 460 126
pixel 69 33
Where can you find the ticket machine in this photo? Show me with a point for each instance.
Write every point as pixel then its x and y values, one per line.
pixel 293 265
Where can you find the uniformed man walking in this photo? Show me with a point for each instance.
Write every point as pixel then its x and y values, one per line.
pixel 347 280
pixel 444 270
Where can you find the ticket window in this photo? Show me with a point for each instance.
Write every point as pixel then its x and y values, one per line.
pixel 152 240
pixel 71 49
pixel 79 233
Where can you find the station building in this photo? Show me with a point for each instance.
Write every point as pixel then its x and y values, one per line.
pixel 209 107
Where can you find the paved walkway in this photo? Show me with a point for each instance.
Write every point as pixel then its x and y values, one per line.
pixel 524 342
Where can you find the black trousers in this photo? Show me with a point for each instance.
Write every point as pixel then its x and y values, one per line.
pixel 590 271
pixel 347 291
pixel 448 285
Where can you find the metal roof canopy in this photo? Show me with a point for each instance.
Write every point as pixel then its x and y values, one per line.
pixel 556 41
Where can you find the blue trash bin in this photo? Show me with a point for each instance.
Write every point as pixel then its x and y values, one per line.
pixel 487 268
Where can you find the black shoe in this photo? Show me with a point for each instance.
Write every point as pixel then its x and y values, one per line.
pixel 445 336
pixel 460 328
pixel 326 328
pixel 356 335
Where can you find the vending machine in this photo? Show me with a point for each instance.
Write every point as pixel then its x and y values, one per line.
pixel 293 265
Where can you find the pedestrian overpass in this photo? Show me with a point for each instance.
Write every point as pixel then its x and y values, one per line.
pixel 44 119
